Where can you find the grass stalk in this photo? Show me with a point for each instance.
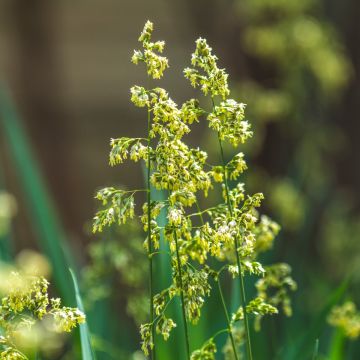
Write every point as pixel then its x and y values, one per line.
pixel 222 297
pixel 236 244
pixel 182 297
pixel 151 288
pixel 227 319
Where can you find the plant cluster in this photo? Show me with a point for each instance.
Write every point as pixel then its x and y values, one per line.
pixel 347 318
pixel 231 234
pixel 110 263
pixel 28 315
pixel 301 52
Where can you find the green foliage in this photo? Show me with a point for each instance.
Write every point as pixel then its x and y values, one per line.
pixel 277 282
pixel 113 259
pixel 293 74
pixel 230 233
pixel 27 314
pixel 86 348
pixel 304 70
pixel 347 318
pixel 286 33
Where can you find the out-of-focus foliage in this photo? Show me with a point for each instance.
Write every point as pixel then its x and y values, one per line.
pixel 303 67
pixel 30 321
pixel 293 75
pixel 340 239
pixel 347 318
pixel 113 259
pixel 291 41
pixel 290 36
pixel 296 72
pixel 239 338
pixel 44 221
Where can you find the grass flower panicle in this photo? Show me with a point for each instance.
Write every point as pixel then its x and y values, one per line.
pixel 347 318
pixel 231 233
pixel 27 310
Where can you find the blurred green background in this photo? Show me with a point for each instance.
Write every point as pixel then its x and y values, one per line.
pixel 65 73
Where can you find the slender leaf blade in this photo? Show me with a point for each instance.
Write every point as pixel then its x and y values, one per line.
pixel 45 222
pixel 85 339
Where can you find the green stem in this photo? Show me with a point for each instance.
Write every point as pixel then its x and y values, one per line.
pixel 227 319
pixel 236 243
pixel 151 290
pixel 199 212
pixel 220 332
pixel 182 297
pixel 163 311
pixel 316 350
pixel 222 297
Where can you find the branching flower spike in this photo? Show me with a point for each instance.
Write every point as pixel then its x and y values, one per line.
pixel 229 235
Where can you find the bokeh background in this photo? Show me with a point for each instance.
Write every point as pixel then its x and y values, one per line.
pixel 65 67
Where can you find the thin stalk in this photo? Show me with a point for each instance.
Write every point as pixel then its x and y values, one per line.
pixel 220 332
pixel 316 350
pixel 199 212
pixel 227 319
pixel 151 290
pixel 236 243
pixel 222 297
pixel 182 297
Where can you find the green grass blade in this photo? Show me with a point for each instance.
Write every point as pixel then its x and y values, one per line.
pixel 337 345
pixel 49 233
pixel 304 345
pixel 85 339
pixel 6 246
pixel 316 350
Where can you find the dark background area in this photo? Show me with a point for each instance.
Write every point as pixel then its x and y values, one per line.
pixel 68 67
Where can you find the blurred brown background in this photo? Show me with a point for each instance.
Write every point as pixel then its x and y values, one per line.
pixel 68 66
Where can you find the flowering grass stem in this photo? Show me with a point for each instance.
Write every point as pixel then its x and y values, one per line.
pixel 221 296
pixel 151 290
pixel 227 319
pixel 182 297
pixel 236 244
pixel 234 225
